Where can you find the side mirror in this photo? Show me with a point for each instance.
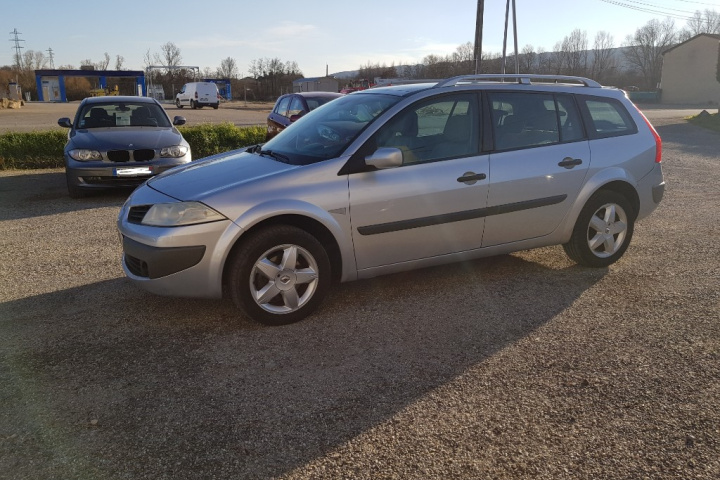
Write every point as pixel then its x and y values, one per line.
pixel 385 157
pixel 178 120
pixel 65 122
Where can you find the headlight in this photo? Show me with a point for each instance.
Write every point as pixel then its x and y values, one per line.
pixel 84 155
pixel 176 151
pixel 182 213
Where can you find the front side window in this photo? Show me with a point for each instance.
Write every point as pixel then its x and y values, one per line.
pixel 296 107
pixel 326 132
pixel 282 106
pixel 435 129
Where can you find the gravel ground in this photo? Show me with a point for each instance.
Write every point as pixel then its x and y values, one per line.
pixel 518 366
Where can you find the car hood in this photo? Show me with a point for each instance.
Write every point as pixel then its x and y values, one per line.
pixel 121 138
pixel 203 178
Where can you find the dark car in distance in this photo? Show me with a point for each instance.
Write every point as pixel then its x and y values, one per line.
pixel 120 142
pixel 292 106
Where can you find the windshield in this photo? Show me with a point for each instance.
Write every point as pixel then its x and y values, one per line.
pixel 326 132
pixel 122 114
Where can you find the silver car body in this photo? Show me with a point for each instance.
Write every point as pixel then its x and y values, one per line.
pixel 395 219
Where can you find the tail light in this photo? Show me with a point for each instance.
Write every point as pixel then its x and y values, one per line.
pixel 658 140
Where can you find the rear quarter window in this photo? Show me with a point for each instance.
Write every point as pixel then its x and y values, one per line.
pixel 607 117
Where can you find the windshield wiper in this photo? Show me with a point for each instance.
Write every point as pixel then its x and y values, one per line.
pixel 277 156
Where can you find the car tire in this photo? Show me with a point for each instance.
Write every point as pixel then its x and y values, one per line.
pixel 603 230
pixel 193 105
pixel 178 104
pixel 279 275
pixel 74 191
pixel 216 106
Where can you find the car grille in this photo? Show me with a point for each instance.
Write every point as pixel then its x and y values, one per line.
pixel 121 156
pixel 136 214
pixel 136 266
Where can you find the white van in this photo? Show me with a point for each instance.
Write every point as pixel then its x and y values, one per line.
pixel 198 95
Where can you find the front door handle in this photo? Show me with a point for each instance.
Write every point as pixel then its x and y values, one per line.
pixel 471 178
pixel 569 162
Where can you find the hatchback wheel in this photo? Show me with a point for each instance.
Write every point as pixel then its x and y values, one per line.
pixel 279 275
pixel 603 230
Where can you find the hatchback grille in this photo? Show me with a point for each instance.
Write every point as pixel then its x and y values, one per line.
pixel 122 156
pixel 136 214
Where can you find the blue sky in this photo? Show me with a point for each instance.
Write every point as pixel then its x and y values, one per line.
pixel 313 33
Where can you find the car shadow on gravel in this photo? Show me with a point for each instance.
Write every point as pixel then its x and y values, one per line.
pixel 38 193
pixel 107 381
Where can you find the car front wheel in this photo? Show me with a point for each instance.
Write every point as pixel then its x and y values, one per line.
pixel 603 230
pixel 193 105
pixel 178 104
pixel 279 275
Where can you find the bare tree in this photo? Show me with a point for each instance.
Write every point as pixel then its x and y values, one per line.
pixel 603 61
pixel 171 55
pixel 119 60
pixel 104 63
pixel 228 68
pixel 644 49
pixel 707 21
pixel 575 53
pixel 34 60
pixel 528 59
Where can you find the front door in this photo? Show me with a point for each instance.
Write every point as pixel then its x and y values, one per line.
pixel 434 203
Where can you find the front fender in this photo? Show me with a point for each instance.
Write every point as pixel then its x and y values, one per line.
pixel 335 221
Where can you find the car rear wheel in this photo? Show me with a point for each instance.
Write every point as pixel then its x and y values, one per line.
pixel 279 275
pixel 603 230
pixel 216 106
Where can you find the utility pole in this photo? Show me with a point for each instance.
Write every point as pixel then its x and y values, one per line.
pixel 17 47
pixel 478 35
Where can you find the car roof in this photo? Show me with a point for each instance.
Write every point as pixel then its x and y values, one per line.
pixel 318 94
pixel 117 99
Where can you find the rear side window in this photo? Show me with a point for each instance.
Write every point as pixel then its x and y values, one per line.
pixel 524 120
pixel 607 117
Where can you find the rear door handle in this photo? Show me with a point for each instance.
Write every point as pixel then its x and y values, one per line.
pixel 471 178
pixel 569 162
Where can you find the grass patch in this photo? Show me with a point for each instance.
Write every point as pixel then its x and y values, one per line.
pixel 710 121
pixel 44 149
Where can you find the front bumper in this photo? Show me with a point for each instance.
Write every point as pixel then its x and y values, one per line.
pixel 184 261
pixel 116 174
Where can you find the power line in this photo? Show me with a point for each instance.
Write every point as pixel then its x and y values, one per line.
pixel 646 9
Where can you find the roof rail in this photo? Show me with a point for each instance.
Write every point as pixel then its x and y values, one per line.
pixel 522 78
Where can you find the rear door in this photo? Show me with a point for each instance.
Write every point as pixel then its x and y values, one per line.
pixel 540 161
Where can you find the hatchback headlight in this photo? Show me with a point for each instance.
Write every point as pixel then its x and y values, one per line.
pixel 84 155
pixel 182 213
pixel 176 151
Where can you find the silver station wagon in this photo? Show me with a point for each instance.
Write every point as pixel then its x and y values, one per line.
pixel 399 178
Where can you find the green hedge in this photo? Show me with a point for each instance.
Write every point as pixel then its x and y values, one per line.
pixel 44 149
